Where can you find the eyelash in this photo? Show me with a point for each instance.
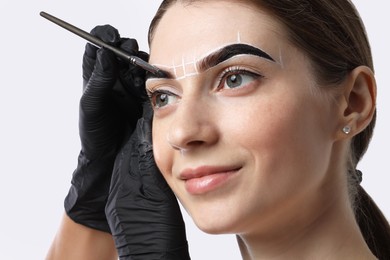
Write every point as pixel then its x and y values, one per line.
pixel 236 70
pixel 153 94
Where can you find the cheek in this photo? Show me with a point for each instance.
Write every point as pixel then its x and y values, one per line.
pixel 286 146
pixel 261 123
pixel 283 134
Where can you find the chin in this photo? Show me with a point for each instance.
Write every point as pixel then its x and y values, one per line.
pixel 212 229
pixel 215 225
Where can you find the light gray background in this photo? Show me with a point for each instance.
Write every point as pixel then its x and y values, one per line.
pixel 40 88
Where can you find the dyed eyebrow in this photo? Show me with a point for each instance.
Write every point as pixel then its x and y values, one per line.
pixel 167 75
pixel 230 51
pixel 219 56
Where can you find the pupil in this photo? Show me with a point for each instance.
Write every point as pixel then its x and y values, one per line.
pixel 234 80
pixel 162 100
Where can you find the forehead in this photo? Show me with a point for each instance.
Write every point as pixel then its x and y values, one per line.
pixel 192 31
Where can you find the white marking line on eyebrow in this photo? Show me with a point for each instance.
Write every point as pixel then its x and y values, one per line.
pixel 173 66
pixel 183 64
pixel 238 37
pixel 194 62
pixel 174 69
pixel 281 58
pixel 187 76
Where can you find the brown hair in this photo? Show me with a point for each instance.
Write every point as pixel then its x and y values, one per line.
pixel 333 36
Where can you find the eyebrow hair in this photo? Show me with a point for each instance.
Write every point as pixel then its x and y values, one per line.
pixel 164 75
pixel 228 52
pixel 219 56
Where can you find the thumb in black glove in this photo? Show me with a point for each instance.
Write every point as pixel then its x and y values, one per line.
pixel 142 211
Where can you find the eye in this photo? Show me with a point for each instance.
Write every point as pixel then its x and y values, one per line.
pixel 236 78
pixel 162 98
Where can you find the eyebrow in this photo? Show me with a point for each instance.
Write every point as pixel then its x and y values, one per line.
pixel 219 56
pixel 228 52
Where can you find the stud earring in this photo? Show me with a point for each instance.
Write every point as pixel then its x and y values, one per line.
pixel 347 129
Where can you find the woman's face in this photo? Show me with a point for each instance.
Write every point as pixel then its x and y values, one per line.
pixel 241 132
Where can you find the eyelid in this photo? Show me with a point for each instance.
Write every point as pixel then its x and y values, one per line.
pixel 160 90
pixel 152 85
pixel 152 94
pixel 163 88
pixel 236 70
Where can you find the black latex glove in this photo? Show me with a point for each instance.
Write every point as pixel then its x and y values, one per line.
pixel 110 106
pixel 142 211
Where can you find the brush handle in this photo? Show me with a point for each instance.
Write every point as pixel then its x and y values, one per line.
pixel 99 43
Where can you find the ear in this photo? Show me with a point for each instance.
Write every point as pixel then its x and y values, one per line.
pixel 358 102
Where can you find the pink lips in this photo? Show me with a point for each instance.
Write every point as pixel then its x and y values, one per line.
pixel 206 178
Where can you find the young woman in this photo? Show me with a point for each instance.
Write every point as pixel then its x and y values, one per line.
pixel 268 109
pixel 265 109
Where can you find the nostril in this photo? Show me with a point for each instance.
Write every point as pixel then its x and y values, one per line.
pixel 195 143
pixel 182 144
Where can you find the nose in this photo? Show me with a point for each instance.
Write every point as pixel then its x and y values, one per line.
pixel 193 125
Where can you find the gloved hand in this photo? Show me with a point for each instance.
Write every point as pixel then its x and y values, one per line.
pixel 142 211
pixel 113 92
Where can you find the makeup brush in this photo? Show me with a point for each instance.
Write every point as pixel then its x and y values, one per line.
pixel 99 43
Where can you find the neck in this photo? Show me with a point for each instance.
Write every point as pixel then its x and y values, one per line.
pixel 331 234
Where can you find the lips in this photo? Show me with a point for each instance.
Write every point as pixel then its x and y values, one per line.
pixel 205 179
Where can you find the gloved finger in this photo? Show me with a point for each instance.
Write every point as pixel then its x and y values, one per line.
pixel 154 186
pixel 129 45
pixel 147 114
pixel 128 104
pixel 139 72
pixel 103 78
pixel 132 77
pixel 133 81
pixel 143 55
pixel 125 180
pixel 90 51
pixel 153 183
pixel 89 59
pixel 144 129
pixel 121 191
pixel 106 33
